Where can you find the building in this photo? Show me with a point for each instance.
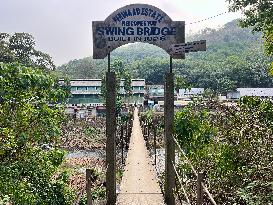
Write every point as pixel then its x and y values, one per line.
pixel 189 93
pixel 259 92
pixel 155 93
pixel 88 91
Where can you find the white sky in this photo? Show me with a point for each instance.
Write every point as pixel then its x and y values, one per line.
pixel 62 28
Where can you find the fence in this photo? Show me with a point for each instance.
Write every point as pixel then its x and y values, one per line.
pixel 154 139
pixel 201 188
pixel 124 131
pixel 150 131
pixel 123 134
pixel 152 136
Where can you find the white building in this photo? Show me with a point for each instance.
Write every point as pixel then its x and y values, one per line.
pixel 188 93
pixel 88 91
pixel 259 92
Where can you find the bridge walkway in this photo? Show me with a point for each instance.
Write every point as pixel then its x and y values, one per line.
pixel 139 184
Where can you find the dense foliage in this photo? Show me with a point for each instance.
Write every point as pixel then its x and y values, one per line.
pixel 234 58
pixel 30 126
pixel 20 47
pixel 121 72
pixel 233 145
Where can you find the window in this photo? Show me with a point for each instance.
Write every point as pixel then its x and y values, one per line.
pixel 92 88
pixel 82 88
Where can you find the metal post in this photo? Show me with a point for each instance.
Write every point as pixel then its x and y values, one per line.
pixel 109 60
pixel 154 141
pixel 200 195
pixel 148 136
pixel 169 141
pixel 122 144
pixel 88 186
pixel 126 135
pixel 171 64
pixel 111 138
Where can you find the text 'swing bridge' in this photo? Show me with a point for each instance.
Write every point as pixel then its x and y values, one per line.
pixel 136 23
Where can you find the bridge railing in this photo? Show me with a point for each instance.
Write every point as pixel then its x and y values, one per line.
pixel 123 134
pixel 201 187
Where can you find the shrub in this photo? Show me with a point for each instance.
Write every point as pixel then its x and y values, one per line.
pixel 233 145
pixel 29 135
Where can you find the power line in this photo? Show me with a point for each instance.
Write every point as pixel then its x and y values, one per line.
pixel 208 18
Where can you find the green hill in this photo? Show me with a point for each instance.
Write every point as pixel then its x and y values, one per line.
pixel 234 58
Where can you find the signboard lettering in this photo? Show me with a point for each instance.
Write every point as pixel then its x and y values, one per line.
pixel 136 23
pixel 183 48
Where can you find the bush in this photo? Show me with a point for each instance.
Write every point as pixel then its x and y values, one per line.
pixel 233 145
pixel 29 135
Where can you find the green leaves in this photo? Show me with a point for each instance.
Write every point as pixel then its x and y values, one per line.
pixel 181 83
pixel 55 156
pixel 233 145
pixel 30 119
pixel 192 129
pixel 19 47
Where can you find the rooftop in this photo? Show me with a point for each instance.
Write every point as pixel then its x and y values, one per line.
pixel 255 91
pixel 97 82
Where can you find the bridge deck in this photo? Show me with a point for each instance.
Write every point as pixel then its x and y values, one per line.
pixel 139 184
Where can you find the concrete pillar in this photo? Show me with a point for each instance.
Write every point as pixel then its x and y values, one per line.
pixel 111 138
pixel 169 142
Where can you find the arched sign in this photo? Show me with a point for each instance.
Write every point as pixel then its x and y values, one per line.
pixel 137 23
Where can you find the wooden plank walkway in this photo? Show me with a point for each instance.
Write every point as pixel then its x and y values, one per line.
pixel 139 184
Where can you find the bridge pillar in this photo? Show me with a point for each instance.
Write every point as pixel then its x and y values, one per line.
pixel 111 138
pixel 169 141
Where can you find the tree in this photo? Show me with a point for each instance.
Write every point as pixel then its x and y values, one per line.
pixel 180 83
pixel 31 115
pixel 209 94
pixel 259 15
pixel 225 85
pixel 121 73
pixel 20 47
pixel 29 134
pixel 127 84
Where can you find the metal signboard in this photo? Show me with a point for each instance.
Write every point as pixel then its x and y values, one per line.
pixel 137 23
pixel 183 48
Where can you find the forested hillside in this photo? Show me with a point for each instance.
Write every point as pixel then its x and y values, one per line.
pixel 234 58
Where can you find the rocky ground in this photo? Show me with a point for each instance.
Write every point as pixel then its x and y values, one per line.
pixel 84 140
pixel 83 134
pixel 77 180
